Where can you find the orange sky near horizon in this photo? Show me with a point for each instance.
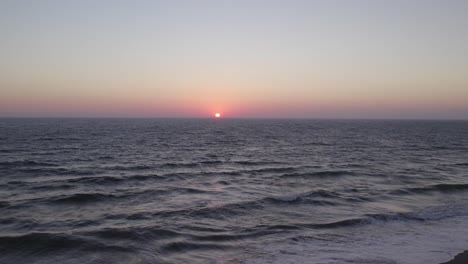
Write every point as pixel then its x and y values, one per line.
pixel 297 59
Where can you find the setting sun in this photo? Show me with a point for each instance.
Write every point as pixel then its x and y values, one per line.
pixel 217 115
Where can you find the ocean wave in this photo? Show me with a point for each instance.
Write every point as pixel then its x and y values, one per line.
pixel 129 168
pixel 89 179
pixel 185 175
pixel 271 170
pixel 295 198
pixel 255 163
pixel 188 246
pixel 83 198
pixel 319 174
pixel 168 190
pixel 167 165
pixel 18 223
pixel 45 241
pixel 106 157
pixel 97 180
pixel 42 243
pixel 136 233
pixel 52 187
pixel 245 207
pixel 210 162
pixel 443 187
pixel 8 220
pixel 427 214
pixel 9 150
pixel 26 163
pixel 214 212
pixel 57 138
pixel 59 171
pixel 225 237
pixel 179 165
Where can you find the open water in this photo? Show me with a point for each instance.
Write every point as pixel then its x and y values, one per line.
pixel 232 191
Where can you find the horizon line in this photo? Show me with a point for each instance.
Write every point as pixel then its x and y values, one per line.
pixel 234 117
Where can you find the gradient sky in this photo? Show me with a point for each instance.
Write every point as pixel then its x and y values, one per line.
pixel 245 58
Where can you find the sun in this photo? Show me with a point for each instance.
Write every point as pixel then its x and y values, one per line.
pixel 217 115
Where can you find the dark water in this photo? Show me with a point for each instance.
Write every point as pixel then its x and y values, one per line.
pixel 231 191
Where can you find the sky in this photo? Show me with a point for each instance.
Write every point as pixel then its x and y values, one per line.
pixel 244 58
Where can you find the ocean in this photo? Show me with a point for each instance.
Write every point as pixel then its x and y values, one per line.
pixel 232 191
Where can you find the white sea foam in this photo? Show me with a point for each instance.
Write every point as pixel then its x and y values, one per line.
pixel 396 242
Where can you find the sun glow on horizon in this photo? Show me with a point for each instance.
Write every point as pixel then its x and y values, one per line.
pixel 170 59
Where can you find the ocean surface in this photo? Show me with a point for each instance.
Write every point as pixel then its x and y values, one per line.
pixel 232 191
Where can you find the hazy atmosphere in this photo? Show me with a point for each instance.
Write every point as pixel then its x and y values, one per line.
pixel 234 132
pixel 295 59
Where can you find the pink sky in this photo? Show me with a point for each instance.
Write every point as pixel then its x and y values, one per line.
pixel 294 59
